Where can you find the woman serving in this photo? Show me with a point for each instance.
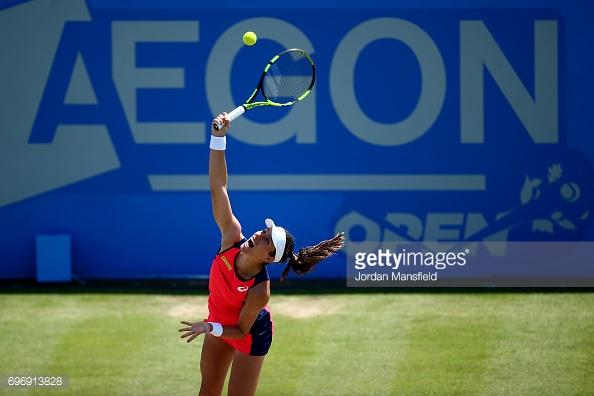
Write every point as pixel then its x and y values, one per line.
pixel 239 326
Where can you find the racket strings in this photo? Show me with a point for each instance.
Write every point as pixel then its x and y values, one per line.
pixel 288 78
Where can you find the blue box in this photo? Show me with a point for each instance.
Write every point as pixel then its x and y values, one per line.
pixel 53 258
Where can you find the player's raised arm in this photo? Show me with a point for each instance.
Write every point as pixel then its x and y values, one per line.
pixel 217 171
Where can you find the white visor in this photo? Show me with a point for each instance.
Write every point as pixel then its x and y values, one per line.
pixel 279 239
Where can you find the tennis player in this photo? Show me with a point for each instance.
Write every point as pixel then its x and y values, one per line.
pixel 239 326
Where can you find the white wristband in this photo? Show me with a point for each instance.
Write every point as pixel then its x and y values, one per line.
pixel 218 142
pixel 217 329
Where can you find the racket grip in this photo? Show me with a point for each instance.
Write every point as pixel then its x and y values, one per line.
pixel 231 116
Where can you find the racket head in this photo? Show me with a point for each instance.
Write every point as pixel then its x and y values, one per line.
pixel 288 77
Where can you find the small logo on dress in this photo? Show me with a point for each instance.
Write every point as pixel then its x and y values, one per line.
pixel 242 288
pixel 226 263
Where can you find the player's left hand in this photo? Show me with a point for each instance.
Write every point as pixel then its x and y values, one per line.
pixel 194 330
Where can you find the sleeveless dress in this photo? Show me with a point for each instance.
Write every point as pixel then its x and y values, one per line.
pixel 227 297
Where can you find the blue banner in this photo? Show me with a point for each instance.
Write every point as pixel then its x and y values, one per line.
pixel 434 123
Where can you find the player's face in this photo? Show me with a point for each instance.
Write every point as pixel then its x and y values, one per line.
pixel 259 245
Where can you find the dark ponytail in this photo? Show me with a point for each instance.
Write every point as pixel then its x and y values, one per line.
pixel 305 260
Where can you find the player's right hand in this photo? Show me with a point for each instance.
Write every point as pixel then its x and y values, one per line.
pixel 221 119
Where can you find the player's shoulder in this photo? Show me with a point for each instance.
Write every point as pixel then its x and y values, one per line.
pixel 260 290
pixel 232 247
pixel 262 276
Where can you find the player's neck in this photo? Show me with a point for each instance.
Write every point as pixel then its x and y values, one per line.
pixel 247 267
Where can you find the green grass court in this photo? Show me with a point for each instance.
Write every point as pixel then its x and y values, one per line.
pixel 345 342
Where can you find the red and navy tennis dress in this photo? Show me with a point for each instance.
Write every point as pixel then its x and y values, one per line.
pixel 226 299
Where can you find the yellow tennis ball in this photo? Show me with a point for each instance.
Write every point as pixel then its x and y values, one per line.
pixel 249 38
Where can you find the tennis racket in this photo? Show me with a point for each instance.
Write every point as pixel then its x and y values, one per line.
pixel 287 78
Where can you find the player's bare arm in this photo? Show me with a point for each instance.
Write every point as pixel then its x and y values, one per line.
pixel 221 205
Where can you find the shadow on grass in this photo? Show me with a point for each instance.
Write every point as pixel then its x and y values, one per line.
pixel 293 287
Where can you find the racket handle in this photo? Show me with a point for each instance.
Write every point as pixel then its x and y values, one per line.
pixel 231 116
